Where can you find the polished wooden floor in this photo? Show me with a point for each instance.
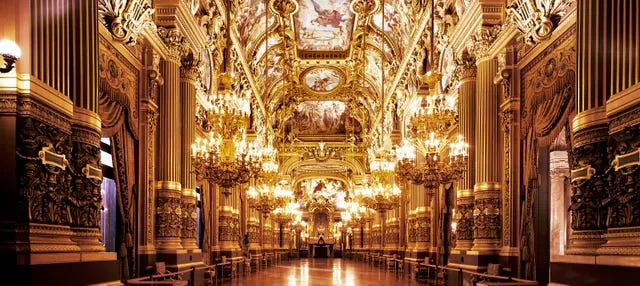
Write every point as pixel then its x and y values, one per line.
pixel 323 271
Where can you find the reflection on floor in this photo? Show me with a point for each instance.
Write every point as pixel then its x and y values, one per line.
pixel 324 272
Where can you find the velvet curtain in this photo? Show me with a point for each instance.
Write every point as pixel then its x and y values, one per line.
pixel 117 124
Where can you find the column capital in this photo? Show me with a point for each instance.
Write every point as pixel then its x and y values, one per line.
pixel 175 42
pixel 466 69
pixel 189 68
pixel 481 42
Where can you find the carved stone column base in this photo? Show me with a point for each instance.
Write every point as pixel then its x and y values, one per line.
pixel 464 244
pixel 168 244
pixel 88 239
pixel 190 243
pixel 621 241
pixel 168 216
pixel 585 242
pixel 486 245
pixel 46 238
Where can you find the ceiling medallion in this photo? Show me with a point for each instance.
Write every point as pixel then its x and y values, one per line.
pixel 322 79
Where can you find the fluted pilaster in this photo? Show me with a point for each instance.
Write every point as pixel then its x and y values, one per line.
pixel 188 80
pixel 169 190
pixel 487 188
pixel 467 73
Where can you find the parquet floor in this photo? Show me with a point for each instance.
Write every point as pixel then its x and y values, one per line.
pixel 323 272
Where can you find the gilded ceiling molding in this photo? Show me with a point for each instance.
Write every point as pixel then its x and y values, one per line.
pixel 415 38
pixel 125 19
pixel 469 21
pixel 180 15
pixel 537 19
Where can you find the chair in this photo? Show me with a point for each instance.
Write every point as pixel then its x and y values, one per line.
pixel 493 269
pixel 391 262
pixel 210 276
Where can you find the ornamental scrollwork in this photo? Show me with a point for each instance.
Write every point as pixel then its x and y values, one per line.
pixel 487 218
pixel 189 219
pixel 168 217
pixel 464 225
pixel 536 19
pixel 125 19
pixel 86 199
pixel 43 169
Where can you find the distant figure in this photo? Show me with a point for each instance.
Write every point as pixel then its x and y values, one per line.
pixel 327 17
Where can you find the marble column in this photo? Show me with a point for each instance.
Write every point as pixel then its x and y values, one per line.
pixel 559 171
pixel 168 187
pixel 487 204
pixel 189 74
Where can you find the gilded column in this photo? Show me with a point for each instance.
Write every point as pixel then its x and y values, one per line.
pixel 147 151
pixel 86 126
pixel 507 78
pixel 607 71
pixel 253 230
pixel 168 187
pixel 188 79
pixel 466 72
pixel 487 223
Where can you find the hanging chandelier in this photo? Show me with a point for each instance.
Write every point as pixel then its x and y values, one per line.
pixel 429 127
pixel 378 196
pixel 267 198
pixel 357 215
pixel 434 170
pixel 225 158
pixel 286 214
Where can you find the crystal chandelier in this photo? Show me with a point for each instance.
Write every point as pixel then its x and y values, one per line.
pixel 378 196
pixel 429 126
pixel 434 171
pixel 357 215
pixel 225 158
pixel 267 198
pixel 286 214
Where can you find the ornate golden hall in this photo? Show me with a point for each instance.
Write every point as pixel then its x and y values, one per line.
pixel 320 142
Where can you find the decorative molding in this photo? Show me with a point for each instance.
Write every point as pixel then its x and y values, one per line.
pixel 45 182
pixel 536 20
pixel 168 217
pixel 481 42
pixel 175 42
pixel 125 19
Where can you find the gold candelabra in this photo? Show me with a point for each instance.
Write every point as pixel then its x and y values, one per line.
pixel 267 198
pixel 224 157
pixel 429 126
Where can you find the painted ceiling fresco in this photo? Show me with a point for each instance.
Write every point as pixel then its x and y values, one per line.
pixel 323 25
pixel 252 21
pixel 328 117
pixel 331 189
pixel 398 22
pixel 322 79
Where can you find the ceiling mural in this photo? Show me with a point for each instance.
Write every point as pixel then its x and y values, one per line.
pixel 323 25
pixel 320 191
pixel 398 21
pixel 328 117
pixel 252 21
pixel 373 68
pixel 323 79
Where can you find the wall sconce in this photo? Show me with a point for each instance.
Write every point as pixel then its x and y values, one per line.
pixel 10 53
